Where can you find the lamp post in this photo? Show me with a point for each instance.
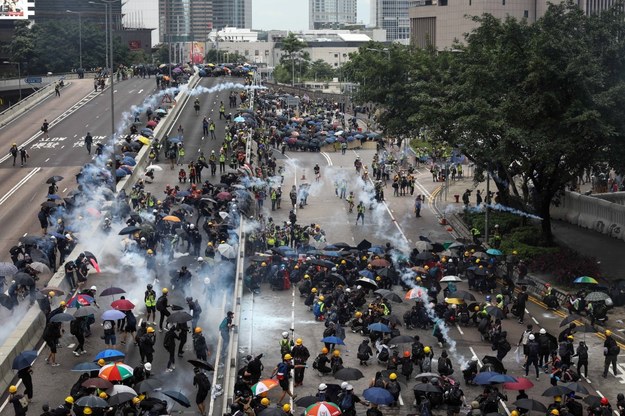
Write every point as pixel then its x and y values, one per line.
pixel 79 35
pixel 19 75
pixel 109 5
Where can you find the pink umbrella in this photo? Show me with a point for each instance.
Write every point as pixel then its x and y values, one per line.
pixel 223 196
pixel 151 123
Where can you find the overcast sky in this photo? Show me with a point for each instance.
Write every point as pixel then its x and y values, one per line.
pixel 291 14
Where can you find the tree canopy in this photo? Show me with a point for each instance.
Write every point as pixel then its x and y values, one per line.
pixel 531 104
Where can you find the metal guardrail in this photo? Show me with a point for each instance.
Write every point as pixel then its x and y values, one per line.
pixel 26 104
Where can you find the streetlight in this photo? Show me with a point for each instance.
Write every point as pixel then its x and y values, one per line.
pixel 79 34
pixel 19 75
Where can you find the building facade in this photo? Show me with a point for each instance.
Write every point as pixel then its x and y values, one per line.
pixel 184 20
pixel 393 16
pixel 441 23
pixel 232 13
pixel 142 14
pixel 331 14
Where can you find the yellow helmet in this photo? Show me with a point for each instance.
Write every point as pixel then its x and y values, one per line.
pixel 51 293
pixel 393 376
pixel 343 262
pixel 101 362
pixel 427 350
pixel 286 407
pixel 555 412
pixel 288 357
pixel 514 413
pixel 477 260
pixel 557 398
pixel 198 330
pixel 514 252
pixel 378 278
pixel 298 341
pixel 336 353
pixel 150 330
pixel 69 399
pixel 209 244
pixel 313 290
pixel 265 401
pixel 358 314
pixel 164 290
pixel 63 303
pixel 322 298
pixel 12 389
pixel 103 395
pixel 150 251
pixel 87 411
pixel 608 332
pixel 263 264
pixel 324 350
pixel 307 277
pixel 135 400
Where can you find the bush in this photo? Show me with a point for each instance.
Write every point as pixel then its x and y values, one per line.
pixel 564 265
pixel 507 222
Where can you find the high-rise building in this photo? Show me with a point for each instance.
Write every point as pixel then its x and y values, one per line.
pixel 185 20
pixel 331 14
pixel 142 14
pixel 392 16
pixel 67 9
pixel 232 13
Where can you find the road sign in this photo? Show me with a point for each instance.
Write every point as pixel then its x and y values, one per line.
pixel 292 101
pixel 34 80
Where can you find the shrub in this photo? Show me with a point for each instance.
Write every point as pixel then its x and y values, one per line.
pixel 564 265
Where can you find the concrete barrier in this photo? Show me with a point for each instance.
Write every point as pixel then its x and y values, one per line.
pixel 26 104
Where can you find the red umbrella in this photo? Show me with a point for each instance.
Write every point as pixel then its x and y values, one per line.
pixel 123 305
pixel 521 384
pixel 222 196
pixel 95 264
pixel 151 123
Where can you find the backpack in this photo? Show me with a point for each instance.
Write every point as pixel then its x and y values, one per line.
pixel 282 370
pixel 346 402
pixel 107 325
pixel 534 347
pixel 563 349
pixel 74 327
pixel 315 364
pixel 426 365
pixel 161 303
pixel 454 396
pixel 203 382
pixel 317 309
pixel 505 345
pixel 582 352
pixel 443 367
pixel 417 350
pixel 393 387
pixel 169 340
pixel 383 355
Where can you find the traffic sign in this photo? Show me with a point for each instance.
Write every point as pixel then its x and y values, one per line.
pixel 34 80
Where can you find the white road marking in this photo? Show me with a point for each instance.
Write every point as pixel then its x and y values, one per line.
pixel 19 185
pixel 47 159
pixel 140 91
pixel 459 329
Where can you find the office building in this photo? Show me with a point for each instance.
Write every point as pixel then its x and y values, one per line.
pixel 331 14
pixel 441 23
pixel 46 10
pixel 184 20
pixel 142 14
pixel 232 13
pixel 392 16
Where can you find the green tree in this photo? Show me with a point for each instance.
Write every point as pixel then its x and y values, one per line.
pixel 320 70
pixel 219 56
pixel 293 58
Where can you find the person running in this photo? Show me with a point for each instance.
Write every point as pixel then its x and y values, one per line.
pixel 283 373
pixel 162 305
pixel 169 342
pixel 196 106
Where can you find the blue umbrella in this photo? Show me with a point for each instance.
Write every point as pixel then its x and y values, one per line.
pixel 109 355
pixel 378 395
pixel 82 367
pixel 484 378
pixel 367 274
pixel 183 194
pixel 333 340
pixel 174 140
pixel 379 327
pixel 120 173
pixel 53 196
pixel 113 315
pixel 56 235
pixel 330 139
pixel 24 359
pixel 376 250
pixel 239 119
pixel 129 161
pixel 502 378
pixel 331 253
pixel 359 136
pixel 147 132
pixel 494 252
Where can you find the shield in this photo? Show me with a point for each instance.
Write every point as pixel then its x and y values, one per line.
pixel 178 397
pixel 201 364
pixel 24 359
pixel 92 401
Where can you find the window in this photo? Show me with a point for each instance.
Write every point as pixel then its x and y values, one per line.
pixel 526 14
pixel 256 53
pixel 442 2
pixel 503 2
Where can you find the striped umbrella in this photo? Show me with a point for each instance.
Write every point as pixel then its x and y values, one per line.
pixel 115 372
pixel 263 386
pixel 323 409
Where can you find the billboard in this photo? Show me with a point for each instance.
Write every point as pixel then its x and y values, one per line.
pixel 13 9
pixel 134 45
pixel 197 52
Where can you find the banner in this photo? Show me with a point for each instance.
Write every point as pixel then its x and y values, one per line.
pixel 13 9
pixel 197 52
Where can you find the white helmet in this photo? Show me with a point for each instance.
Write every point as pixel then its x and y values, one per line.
pixel 200 259
pixel 349 387
pixel 531 337
pixel 94 287
pixel 285 334
pixel 143 239
pixel 147 366
pixel 191 226
pixel 542 331
pixel 322 386
pixel 207 281
pixel 344 385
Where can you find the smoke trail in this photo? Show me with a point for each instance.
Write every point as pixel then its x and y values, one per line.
pixel 503 208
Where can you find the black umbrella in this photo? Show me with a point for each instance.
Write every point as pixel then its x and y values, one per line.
pixel 90 255
pixel 345 246
pixel 62 317
pixel 176 308
pixel 495 312
pixel 272 411
pixel 97 383
pixel 461 294
pixel 121 398
pixel 387 272
pixel 531 405
pixel 92 401
pixel 147 385
pixel 363 245
pixel 201 364
pixel 24 359
pixel 179 317
pixel 401 339
pixel 6 301
pixel 577 388
pixel 592 400
pixel 306 401
pixel 24 279
pixel 480 272
pixel 110 291
pixel 177 397
pixel 493 363
pixel 129 230
pixel 322 263
pixel 525 283
pixel 368 283
pixel 40 256
pixel 556 391
pixel 259 258
pixel 393 297
pixel 426 388
pixel 347 374
pixel 48 204
pixel 437 247
pixel 54 179
pixel 338 278
pixel 425 255
pixel 569 319
pixel 84 311
pixel 30 240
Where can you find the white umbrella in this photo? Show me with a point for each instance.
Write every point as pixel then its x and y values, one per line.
pixel 451 279
pixel 227 251
pixel 120 388
pixel 40 267
pixel 156 168
pixel 223 215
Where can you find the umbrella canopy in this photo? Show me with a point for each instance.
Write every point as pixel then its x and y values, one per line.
pixel 110 291
pixel 569 319
pixel 115 372
pixel 223 196
pixel 521 383
pixel 109 355
pixel 120 398
pixel 39 267
pixel 416 293
pixel 122 305
pixel 426 388
pixel 113 315
pixel 84 311
pixel 24 359
pixel 227 251
pixel 79 300
pixel 179 317
pixel 556 391
pixel 148 385
pixel 54 179
pixel 367 282
pixel 171 218
pixel 378 395
pixel 494 252
pixel 7 269
pixel 495 312
pixel 24 279
pixel 30 239
pixel 380 263
pixel 379 327
pixel 263 386
pixel 423 245
pixel 201 364
pixel 272 411
pixel 347 374
pixel 178 397
pixel 401 339
pixel 596 296
pixel 323 409
pixel 85 367
pixel 97 383
pixel 531 405
pixel 586 279
pixel 451 279
pixel 461 294
pixel 333 340
pixel 62 317
pixel 484 378
pixel 92 401
pixel 129 230
pixel 577 388
pixel 306 401
pixel 502 378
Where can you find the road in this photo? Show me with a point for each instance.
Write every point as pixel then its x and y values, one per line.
pixel 266 315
